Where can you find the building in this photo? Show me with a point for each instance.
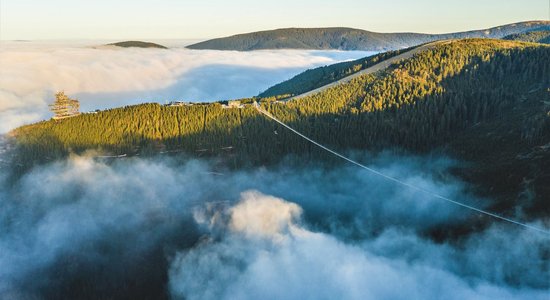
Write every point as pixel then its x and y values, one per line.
pixel 234 104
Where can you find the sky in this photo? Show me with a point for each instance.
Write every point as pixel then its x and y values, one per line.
pixel 198 19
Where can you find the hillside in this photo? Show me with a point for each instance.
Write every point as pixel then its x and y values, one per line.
pixel 542 36
pixel 351 39
pixel 137 44
pixel 486 102
pixel 315 78
pixel 314 81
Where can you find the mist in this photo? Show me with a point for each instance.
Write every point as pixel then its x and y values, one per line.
pixel 161 228
pixel 106 77
pixel 269 254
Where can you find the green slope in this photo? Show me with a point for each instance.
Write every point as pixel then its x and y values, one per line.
pixel 484 101
pixel 314 78
pixel 351 39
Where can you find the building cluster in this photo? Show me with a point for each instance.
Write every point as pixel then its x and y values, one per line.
pixel 224 104
pixel 179 103
pixel 233 104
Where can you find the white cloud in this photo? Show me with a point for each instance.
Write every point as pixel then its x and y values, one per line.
pixel 101 78
pixel 263 216
pixel 283 260
pixel 344 235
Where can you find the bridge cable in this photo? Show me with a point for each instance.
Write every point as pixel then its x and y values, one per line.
pixel 390 178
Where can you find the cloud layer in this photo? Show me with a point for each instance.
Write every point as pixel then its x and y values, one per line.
pixel 268 255
pixel 108 77
pixel 136 227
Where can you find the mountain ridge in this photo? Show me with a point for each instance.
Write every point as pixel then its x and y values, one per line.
pixel 345 38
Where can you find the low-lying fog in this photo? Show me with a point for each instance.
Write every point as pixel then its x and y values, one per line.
pixel 151 228
pixel 105 77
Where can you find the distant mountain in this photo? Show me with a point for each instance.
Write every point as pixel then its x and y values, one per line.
pixel 137 44
pixel 542 36
pixel 351 39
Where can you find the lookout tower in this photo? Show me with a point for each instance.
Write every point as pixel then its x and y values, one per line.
pixel 64 107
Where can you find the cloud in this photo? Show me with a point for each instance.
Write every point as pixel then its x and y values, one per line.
pixel 136 227
pixel 83 215
pixel 103 78
pixel 262 216
pixel 270 256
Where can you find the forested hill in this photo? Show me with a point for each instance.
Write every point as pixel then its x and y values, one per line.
pixel 318 77
pixel 482 101
pixel 137 44
pixel 351 39
pixel 542 36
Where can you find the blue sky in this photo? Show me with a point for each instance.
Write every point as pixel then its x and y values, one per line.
pixel 180 19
